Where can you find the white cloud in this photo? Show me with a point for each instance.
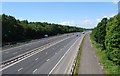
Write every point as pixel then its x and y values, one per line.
pixel 84 23
pixel 109 15
pixel 20 18
pixel 115 1
pixel 98 20
pixel 87 23
pixel 71 23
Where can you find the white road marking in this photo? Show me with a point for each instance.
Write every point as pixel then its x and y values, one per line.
pixel 62 58
pixel 35 70
pixel 25 45
pixel 15 53
pixel 20 69
pixel 46 53
pixel 60 49
pixel 36 59
pixel 48 60
pixel 32 54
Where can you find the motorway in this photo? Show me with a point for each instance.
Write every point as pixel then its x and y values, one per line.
pixel 56 59
pixel 13 52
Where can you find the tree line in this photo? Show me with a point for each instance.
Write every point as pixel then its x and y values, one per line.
pixel 107 33
pixel 16 30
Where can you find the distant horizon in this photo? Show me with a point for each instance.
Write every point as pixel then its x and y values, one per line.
pixel 79 14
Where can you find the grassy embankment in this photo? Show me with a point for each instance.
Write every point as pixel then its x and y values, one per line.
pixel 109 66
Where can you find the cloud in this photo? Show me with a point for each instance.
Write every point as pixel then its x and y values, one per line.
pixel 71 23
pixel 115 1
pixel 84 23
pixel 87 23
pixel 98 20
pixel 20 18
pixel 85 17
pixel 109 15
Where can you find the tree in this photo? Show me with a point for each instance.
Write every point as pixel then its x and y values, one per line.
pixel 112 39
pixel 100 32
pixel 16 30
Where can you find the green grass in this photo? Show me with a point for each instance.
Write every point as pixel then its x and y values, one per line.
pixel 76 69
pixel 109 66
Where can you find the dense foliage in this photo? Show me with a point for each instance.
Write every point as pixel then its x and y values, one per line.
pixel 107 33
pixel 16 30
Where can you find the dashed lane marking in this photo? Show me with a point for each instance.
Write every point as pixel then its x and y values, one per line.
pixel 35 70
pixel 36 59
pixel 20 69
pixel 48 60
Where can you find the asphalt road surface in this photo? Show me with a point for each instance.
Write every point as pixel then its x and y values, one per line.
pixel 15 51
pixel 89 63
pixel 53 60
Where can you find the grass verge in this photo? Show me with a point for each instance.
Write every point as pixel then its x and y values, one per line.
pixel 77 65
pixel 109 66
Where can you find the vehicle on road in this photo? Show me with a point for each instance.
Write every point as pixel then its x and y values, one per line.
pixel 78 35
pixel 45 35
pixel 83 32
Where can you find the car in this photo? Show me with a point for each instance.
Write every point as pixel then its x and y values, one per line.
pixel 83 32
pixel 45 35
pixel 78 35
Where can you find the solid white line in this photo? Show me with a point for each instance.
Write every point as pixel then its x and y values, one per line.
pixel 34 42
pixel 20 69
pixel 35 70
pixel 27 44
pixel 62 58
pixel 33 54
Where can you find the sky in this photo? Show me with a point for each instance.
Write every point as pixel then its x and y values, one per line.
pixel 80 14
